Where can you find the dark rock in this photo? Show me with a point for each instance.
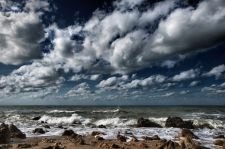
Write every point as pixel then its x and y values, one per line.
pixel 219 142
pixel 39 130
pixel 170 145
pixel 155 137
pixel 60 126
pixel 4 134
pixel 147 123
pixel 36 118
pixel 205 125
pixel 178 123
pixel 99 138
pixel 121 138
pixel 24 146
pixel 115 146
pixel 15 132
pixel 46 126
pixel 69 133
pixel 219 137
pixel 101 126
pixel 188 133
pixel 95 133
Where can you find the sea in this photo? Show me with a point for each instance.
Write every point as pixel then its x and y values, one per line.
pixel 117 119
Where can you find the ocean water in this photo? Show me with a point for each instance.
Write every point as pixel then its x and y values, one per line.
pixel 84 119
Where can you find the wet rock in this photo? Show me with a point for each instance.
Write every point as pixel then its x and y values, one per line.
pixel 69 133
pixel 147 123
pixel 101 126
pixel 24 146
pixel 170 145
pixel 189 143
pixel 39 130
pixel 178 122
pixel 95 133
pixel 4 134
pixel 219 142
pixel 188 133
pixel 219 137
pixel 36 118
pixel 15 132
pixel 46 126
pixel 155 137
pixel 121 138
pixel 205 125
pixel 115 146
pixel 99 138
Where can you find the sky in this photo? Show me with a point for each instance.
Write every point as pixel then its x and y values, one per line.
pixel 112 52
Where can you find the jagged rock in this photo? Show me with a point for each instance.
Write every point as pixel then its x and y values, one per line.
pixel 121 138
pixel 24 146
pixel 36 118
pixel 189 143
pixel 4 134
pixel 101 126
pixel 115 146
pixel 99 138
pixel 219 142
pixel 205 125
pixel 39 130
pixel 155 137
pixel 147 123
pixel 95 133
pixel 69 133
pixel 46 126
pixel 15 132
pixel 178 123
pixel 170 145
pixel 219 137
pixel 188 133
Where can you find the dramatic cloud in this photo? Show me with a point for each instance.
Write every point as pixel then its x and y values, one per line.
pixel 216 71
pixel 186 75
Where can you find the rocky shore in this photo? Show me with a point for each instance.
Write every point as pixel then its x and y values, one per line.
pixel 13 138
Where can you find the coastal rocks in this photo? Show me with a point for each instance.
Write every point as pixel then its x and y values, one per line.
pixel 219 137
pixel 101 126
pixel 170 145
pixel 189 143
pixel 178 123
pixel 219 142
pixel 36 118
pixel 15 132
pixel 121 138
pixel 155 137
pixel 188 134
pixel 95 133
pixel 39 130
pixel 69 133
pixel 147 123
pixel 4 134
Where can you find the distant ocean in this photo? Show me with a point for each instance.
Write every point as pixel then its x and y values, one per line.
pixel 83 119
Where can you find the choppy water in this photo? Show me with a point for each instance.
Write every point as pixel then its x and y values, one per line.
pixel 117 119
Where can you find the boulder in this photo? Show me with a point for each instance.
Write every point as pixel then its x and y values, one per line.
pixel 155 137
pixel 170 145
pixel 4 134
pixel 188 133
pixel 101 126
pixel 15 132
pixel 69 133
pixel 178 123
pixel 121 138
pixel 39 130
pixel 46 126
pixel 147 123
pixel 36 118
pixel 95 133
